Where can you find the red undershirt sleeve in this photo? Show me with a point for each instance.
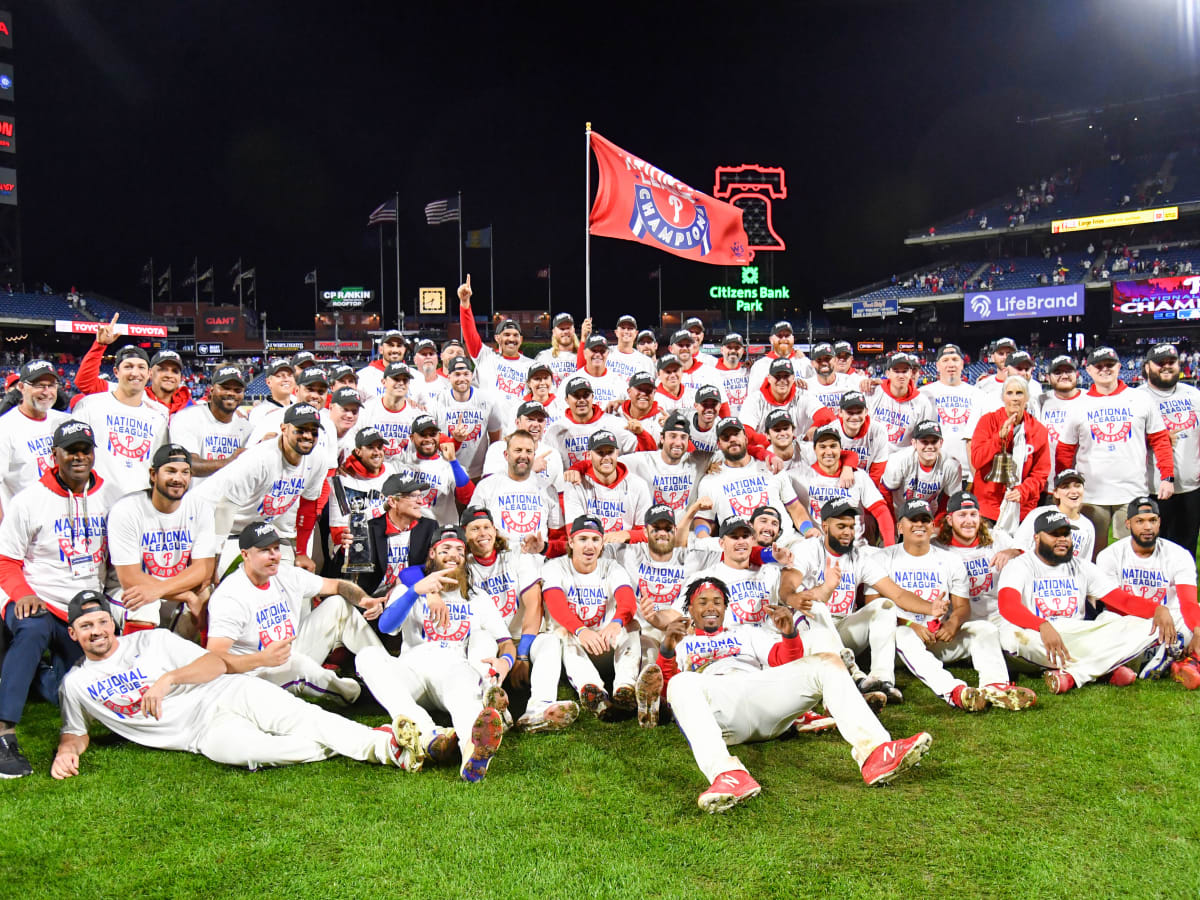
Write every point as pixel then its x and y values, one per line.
pixel 1188 605
pixel 1010 606
pixel 670 668
pixel 1064 456
pixel 306 519
pixel 883 518
pixel 645 441
pixel 87 379
pixel 1129 604
pixel 12 578
pixel 470 334
pixel 560 610
pixel 626 604
pixel 464 494
pixel 1160 443
pixel 787 650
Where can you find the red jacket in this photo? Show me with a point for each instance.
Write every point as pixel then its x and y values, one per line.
pixel 986 444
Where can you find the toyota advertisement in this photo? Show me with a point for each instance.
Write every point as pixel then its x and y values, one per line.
pixel 1157 301
pixel 1024 303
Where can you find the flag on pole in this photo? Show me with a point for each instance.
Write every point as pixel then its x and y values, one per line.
pixel 480 239
pixel 146 270
pixel 164 282
pixel 384 212
pixel 440 211
pixel 543 273
pixel 311 277
pixel 237 268
pixel 207 275
pixel 637 201
pixel 654 275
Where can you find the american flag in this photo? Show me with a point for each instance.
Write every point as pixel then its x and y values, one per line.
pixel 440 211
pixel 384 212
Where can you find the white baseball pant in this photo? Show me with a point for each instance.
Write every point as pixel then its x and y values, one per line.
pixel 545 666
pixel 975 639
pixel 256 724
pixel 425 675
pixel 625 656
pixel 334 623
pixel 872 626
pixel 715 711
pixel 1095 647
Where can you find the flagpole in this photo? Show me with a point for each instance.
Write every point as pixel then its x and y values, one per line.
pixel 239 285
pixel 196 284
pixel 587 231
pixel 491 267
pixel 399 308
pixel 152 285
pixel 316 306
pixel 382 311
pixel 460 243
pixel 660 317
pixel 549 296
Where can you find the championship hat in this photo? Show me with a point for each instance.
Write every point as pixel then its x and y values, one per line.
pixel 601 439
pixel 507 324
pixel 226 374
pixel 1005 344
pixel 780 327
pixel 682 336
pixel 531 408
pixel 838 508
pixel 1067 475
pixel 423 345
pixel 914 509
pixel 645 335
pixel 780 367
pixel 595 342
pixel 451 533
pixel 87 602
pixel 1020 359
pixel 694 322
pixel 344 396
pixel 405 483
pixel 314 375
pixel 1160 353
pixel 167 356
pixel 258 534
pixel 457 364
pixel 659 512
pixel 708 393
pixel 474 514
pixel 826 432
pixel 627 321
pixel 735 523
pixel 278 366
pixel 1051 520
pixel 927 428
pixel 576 385
pixel 769 511
pixel 962 500
pixel 729 423
pixel 368 436
pixel 677 421
pixel 301 414
pixel 563 319
pixel 392 335
pixel 733 338
pixel 822 350
pixel 667 360
pixel 131 352
pixel 1062 361
pixel 777 417
pixel 423 423
pixel 641 380
pixel 538 368
pixel 586 523
pixel 899 359
pixel 35 369
pixel 853 400
pixel 840 347
pixel 394 370
pixel 339 371
pixel 72 432
pixel 303 358
pixel 949 350
pixel 1103 354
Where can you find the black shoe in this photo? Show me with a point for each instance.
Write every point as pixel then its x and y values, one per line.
pixel 13 763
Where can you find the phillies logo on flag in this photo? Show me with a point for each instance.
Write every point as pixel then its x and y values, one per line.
pixel 637 201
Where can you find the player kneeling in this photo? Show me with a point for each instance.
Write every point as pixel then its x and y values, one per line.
pixel 437 668
pixel 158 690
pixel 732 687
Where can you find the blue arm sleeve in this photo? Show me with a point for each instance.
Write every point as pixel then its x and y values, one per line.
pixel 393 617
pixel 410 575
pixel 525 644
pixel 461 478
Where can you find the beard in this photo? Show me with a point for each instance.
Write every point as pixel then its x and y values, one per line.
pixel 1162 380
pixel 841 549
pixel 459 571
pixel 1146 543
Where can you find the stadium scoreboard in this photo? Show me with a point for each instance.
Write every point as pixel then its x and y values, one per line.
pixel 1115 220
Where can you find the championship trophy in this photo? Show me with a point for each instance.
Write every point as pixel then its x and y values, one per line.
pixel 358 554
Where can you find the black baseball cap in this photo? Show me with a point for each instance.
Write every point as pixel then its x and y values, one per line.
pixel 641 379
pixel 667 360
pixel 538 368
pixel 1068 475
pixel 451 342
pixel 595 341
pixel 824 432
pixel 840 347
pixel 1051 520
pixel 729 423
pixel 277 365
pixel 167 356
pixel 131 352
pixel 733 338
pixel 766 511
pixel 340 370
pixel 694 322
pixel 899 359
pixel 170 453
pixel 927 428
pixel 659 512
pixel 314 375
pixel 735 523
pixel 601 439
pixel 914 509
pixel 1141 506
pixel 72 432
pixel 423 423
pixel 344 396
pixel 507 324
pixel 1103 354
pixel 706 393
pixel 459 362
pixel 303 358
pixel 962 500
pixel 777 417
pixel 392 370
pixel 474 514
pixel 627 321
pixel 531 408
pixel 35 369
pixel 821 350
pixel 1008 343
pixel 948 349
pixel 367 436
pixel 645 335
pixel 301 414
pixel 563 319
pixel 586 523
pixel 837 508
pixel 225 374
pixel 1162 352
pixel 448 533
pixel 393 335
pixel 575 385
pixel 1020 358
pixel 781 367
pixel 87 602
pixel 403 483
pixel 780 327
pixel 677 421
pixel 682 336
pixel 851 399
pixel 1059 361
pixel 258 534
pixel 424 344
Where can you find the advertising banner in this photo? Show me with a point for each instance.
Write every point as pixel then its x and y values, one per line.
pixel 1024 303
pixel 70 326
pixel 1147 301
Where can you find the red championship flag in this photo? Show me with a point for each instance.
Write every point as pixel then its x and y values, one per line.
pixel 636 201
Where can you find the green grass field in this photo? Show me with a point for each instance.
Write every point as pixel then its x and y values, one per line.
pixel 1088 794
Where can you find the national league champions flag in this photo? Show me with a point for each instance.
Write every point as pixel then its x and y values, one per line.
pixel 636 201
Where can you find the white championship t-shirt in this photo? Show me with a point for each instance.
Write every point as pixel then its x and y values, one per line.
pixel 255 617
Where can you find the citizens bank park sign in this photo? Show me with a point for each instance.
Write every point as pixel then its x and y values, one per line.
pixel 1156 300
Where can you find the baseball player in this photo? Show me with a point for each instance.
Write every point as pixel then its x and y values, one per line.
pixel 695 327
pixel 671 471
pixel 783 346
pixel 751 588
pixel 828 385
pixel 824 481
pixel 608 387
pixel 281 381
pixel 896 404
pixel 561 357
pixel 624 359
pixel 526 505
pixel 1042 596
pixel 312 387
pixel 733 687
pixel 940 630
pixel 843 359
pixel 547 467
pixel 592 599
pixel 1150 566
pixel 53 541
pixel 278 481
pixel 647 344
pixel 1068 500
pixel 162 546
pixel 672 394
pixel 158 690
pixel 860 435
pixel 440 665
pixel 27 432
pixel 922 471
pixel 993 382
pixel 261 621
pixel 437 465
pixel 570 434
pixel 426 381
pixel 471 415
pixel 984 551
pixel 604 489
pixel 213 433
pixel 540 388
pixel 1054 405
pixel 128 424
pixel 695 368
pixel 956 403
pixel 512 580
pixel 1110 430
pixel 391 351
pixel 733 374
pixel 779 391
pixel 503 370
pixel 391 413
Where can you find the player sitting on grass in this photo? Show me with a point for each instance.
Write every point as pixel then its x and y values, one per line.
pixel 158 690
pixel 441 618
pixel 748 684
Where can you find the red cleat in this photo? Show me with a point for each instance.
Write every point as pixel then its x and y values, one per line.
pixel 728 790
pixel 1122 676
pixel 891 758
pixel 1058 681
pixel 1187 672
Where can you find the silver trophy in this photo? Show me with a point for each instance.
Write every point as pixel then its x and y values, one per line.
pixel 358 555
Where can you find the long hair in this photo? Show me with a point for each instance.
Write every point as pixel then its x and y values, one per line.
pixel 946 532
pixel 574 345
pixel 460 574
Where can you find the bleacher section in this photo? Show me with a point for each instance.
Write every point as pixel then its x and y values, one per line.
pixel 36 307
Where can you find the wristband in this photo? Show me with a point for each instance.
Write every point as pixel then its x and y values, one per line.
pixel 618 622
pixel 508 657
pixel 524 645
pixel 768 556
pixel 805 527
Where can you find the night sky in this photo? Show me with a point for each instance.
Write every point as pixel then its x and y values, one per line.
pixel 271 130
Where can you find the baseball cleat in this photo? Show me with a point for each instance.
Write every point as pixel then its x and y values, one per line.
pixel 1122 676
pixel 968 698
pixel 1058 681
pixel 813 722
pixel 877 700
pixel 649 695
pixel 1186 672
pixel 869 684
pixel 13 763
pixel 596 699
pixel 495 697
pixel 625 698
pixel 404 748
pixel 893 693
pixel 1160 657
pixel 442 748
pixel 891 758
pixel 866 683
pixel 1009 696
pixel 552 717
pixel 346 689
pixel 728 790
pixel 486 734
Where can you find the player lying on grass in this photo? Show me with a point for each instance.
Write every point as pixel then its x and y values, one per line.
pixel 158 690
pixel 748 684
